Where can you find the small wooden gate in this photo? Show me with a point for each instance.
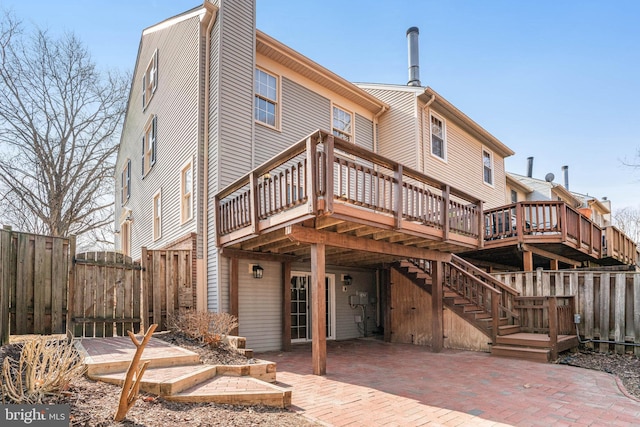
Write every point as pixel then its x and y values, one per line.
pixel 104 295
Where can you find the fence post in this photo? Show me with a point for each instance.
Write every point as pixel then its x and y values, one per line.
pixel 144 297
pixel 553 325
pixel 5 276
pixel 71 284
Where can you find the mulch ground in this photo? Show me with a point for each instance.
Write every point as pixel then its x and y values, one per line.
pixel 94 403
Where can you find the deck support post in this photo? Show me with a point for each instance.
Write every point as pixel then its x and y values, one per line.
pixel 553 264
pixel 318 310
pixel 286 306
pixel 527 260
pixel 437 308
pixel 233 290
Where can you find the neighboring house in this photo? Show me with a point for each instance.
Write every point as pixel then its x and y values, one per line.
pixel 225 149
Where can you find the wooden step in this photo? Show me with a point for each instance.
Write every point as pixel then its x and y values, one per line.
pixel 524 353
pixel 165 381
pixel 472 308
pixel 482 316
pixel 524 340
pixel 508 329
pixel 236 391
pixel 502 322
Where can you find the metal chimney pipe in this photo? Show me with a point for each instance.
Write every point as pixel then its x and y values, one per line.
pixel 414 63
pixel 530 167
pixel 565 172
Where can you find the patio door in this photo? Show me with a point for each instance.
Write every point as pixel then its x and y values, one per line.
pixel 301 320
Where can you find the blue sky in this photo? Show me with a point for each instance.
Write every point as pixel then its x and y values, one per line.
pixel 555 80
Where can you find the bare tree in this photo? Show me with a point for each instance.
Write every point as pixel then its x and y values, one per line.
pixel 628 221
pixel 59 124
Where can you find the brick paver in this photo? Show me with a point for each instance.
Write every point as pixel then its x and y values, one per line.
pixel 372 383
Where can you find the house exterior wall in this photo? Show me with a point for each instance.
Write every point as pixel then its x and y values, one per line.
pixel 175 103
pixel 260 302
pixel 398 128
pixel 463 168
pixel 230 122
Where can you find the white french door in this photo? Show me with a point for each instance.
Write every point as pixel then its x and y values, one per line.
pixel 301 320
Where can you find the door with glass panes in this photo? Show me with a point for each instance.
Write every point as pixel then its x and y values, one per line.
pixel 301 320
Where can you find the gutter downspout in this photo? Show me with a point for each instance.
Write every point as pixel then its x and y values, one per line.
pixel 202 291
pixel 375 128
pixel 421 152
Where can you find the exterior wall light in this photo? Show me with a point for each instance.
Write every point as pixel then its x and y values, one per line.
pixel 347 279
pixel 257 271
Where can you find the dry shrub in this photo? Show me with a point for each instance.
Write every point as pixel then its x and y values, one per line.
pixel 204 326
pixel 45 368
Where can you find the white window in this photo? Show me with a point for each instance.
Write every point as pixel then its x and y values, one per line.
pixel 157 215
pixel 125 182
pixel 342 124
pixel 125 237
pixel 149 145
pixel 487 166
pixel 150 80
pixel 438 137
pixel 266 98
pixel 186 191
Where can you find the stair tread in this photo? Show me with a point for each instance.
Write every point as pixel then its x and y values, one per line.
pixel 519 349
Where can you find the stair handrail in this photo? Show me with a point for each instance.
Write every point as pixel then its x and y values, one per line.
pixel 456 260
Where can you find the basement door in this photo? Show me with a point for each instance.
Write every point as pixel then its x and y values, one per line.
pixel 301 320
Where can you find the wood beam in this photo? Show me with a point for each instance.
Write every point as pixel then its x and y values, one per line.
pixel 550 255
pixel 258 256
pixel 286 306
pixel 327 221
pixel 527 260
pixel 234 291
pixel 311 236
pixel 437 309
pixel 346 227
pixel 262 240
pixel 318 310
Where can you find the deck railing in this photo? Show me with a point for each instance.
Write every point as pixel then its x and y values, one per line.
pixel 552 315
pixel 616 244
pixel 543 221
pixel 321 172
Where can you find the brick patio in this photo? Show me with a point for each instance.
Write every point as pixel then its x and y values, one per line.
pixel 372 383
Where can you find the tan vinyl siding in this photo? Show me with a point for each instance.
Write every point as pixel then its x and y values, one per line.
pixel 398 127
pixel 364 132
pixel 214 160
pixel 260 306
pixel 230 119
pixel 346 327
pixel 175 103
pixel 464 168
pixel 303 111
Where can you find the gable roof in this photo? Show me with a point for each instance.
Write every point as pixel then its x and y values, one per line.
pixel 282 54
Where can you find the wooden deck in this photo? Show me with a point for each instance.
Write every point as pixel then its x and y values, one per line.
pixel 366 208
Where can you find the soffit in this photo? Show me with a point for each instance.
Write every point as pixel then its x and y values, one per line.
pixel 278 52
pixel 447 109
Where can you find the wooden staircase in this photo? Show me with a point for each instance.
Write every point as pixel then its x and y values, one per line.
pixel 489 304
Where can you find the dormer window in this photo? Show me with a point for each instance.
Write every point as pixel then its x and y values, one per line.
pixel 150 80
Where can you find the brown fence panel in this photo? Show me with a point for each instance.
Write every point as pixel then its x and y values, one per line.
pixel 33 283
pixel 608 302
pixel 167 284
pixel 105 296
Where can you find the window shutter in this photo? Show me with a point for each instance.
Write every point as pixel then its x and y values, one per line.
pixel 154 130
pixel 144 91
pixel 128 178
pixel 122 188
pixel 143 156
pixel 154 71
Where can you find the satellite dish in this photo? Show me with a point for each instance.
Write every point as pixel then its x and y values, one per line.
pixel 549 177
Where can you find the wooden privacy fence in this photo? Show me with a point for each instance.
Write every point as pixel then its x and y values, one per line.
pixel 33 283
pixel 46 288
pixel 112 294
pixel 608 303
